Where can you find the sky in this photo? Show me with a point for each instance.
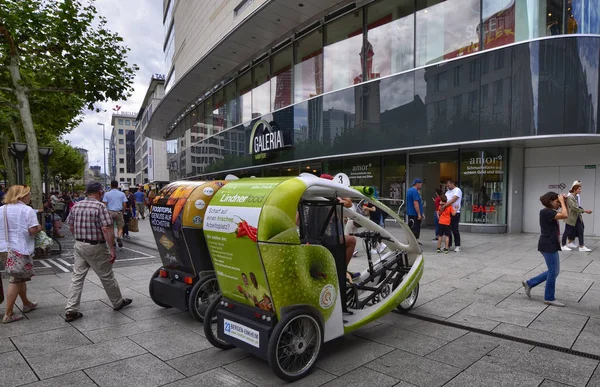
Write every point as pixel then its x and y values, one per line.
pixel 139 23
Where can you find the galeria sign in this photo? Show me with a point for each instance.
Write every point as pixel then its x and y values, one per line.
pixel 265 137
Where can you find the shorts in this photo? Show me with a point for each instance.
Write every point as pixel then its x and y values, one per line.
pixel 444 230
pixel 13 279
pixel 117 217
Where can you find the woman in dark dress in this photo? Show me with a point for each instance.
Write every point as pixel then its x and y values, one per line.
pixel 549 245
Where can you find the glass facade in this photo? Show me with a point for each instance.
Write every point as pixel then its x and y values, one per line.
pixel 308 68
pixel 343 52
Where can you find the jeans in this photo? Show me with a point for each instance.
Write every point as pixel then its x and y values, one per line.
pixel 436 222
pixel 553 263
pixel 454 221
pixel 415 225
pixel 568 233
pixel 579 230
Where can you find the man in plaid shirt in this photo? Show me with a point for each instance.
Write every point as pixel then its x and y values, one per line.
pixel 92 226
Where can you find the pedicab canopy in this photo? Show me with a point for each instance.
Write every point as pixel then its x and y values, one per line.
pixel 177 219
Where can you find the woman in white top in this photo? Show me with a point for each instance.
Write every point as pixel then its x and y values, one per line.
pixel 23 225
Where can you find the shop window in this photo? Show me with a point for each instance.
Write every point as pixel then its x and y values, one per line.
pixel 208 117
pixel 245 95
pixel 580 17
pixel 389 48
pixel 343 56
pixel 261 95
pixel 446 29
pixel 394 181
pixel 483 182
pixel 364 171
pixel 233 115
pixel 281 81
pixel 218 110
pixel 308 70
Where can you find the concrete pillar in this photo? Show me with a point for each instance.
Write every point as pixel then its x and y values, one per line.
pixel 515 195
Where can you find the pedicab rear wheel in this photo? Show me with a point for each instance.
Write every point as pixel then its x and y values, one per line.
pixel 295 344
pixel 210 324
pixel 201 295
pixel 151 290
pixel 410 301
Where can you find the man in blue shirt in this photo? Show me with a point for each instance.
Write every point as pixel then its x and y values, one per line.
pixel 116 203
pixel 139 203
pixel 414 208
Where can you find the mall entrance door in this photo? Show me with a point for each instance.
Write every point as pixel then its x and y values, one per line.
pixel 434 169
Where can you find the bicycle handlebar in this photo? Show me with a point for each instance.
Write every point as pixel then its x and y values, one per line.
pixel 370 235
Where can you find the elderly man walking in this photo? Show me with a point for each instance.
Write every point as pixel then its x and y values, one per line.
pixel 92 226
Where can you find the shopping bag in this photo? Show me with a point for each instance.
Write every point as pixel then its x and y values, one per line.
pixel 133 225
pixel 42 240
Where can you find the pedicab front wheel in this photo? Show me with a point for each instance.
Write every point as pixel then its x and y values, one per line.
pixel 151 290
pixel 201 295
pixel 410 301
pixel 295 344
pixel 211 326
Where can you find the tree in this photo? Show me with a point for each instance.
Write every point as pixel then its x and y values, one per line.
pixel 66 161
pixel 52 54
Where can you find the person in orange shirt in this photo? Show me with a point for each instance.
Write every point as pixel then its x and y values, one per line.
pixel 444 231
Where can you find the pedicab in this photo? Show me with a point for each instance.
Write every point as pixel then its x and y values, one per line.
pixel 186 279
pixel 279 253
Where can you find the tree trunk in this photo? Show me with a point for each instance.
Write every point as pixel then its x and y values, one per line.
pixel 30 137
pixel 8 161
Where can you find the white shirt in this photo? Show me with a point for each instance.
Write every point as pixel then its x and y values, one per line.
pixel 452 193
pixel 20 219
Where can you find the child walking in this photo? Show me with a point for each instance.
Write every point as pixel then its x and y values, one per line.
pixel 444 229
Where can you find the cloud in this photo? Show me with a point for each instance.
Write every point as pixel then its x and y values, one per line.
pixel 139 23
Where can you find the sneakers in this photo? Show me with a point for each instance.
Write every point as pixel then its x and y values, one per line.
pixel 527 289
pixel 439 250
pixel 12 318
pixel 445 251
pixel 565 248
pixel 554 303
pixel 434 240
pixel 457 249
pixel 29 308
pixel 119 242
pixel 355 253
pixel 572 245
pixel 584 249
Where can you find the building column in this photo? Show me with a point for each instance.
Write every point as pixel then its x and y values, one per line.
pixel 516 174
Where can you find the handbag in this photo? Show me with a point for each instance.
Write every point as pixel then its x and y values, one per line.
pixel 18 265
pixel 133 225
pixel 42 240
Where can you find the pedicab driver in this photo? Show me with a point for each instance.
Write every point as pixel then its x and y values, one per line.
pixel 92 226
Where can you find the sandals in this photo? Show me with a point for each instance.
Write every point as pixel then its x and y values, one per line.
pixel 12 318
pixel 126 301
pixel 29 308
pixel 72 316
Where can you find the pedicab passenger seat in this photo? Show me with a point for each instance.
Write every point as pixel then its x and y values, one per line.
pixel 321 223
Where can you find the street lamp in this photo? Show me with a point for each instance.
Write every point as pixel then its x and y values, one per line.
pixel 46 152
pixel 19 149
pixel 104 152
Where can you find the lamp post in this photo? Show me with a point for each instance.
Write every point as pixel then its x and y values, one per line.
pixel 46 152
pixel 103 152
pixel 19 149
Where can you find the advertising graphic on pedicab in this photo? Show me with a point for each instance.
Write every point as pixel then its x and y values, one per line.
pixel 186 280
pixel 280 254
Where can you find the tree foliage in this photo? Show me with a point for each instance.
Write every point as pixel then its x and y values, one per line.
pixel 56 58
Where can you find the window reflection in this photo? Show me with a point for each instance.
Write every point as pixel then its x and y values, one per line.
pixel 245 95
pixel 208 117
pixel 446 29
pixel 343 54
pixel 233 108
pixel 390 43
pixel 261 95
pixel 583 17
pixel 281 82
pixel 218 110
pixel 308 71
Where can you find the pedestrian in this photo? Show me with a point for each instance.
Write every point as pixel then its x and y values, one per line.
pixel 131 200
pixel 126 216
pixel 574 226
pixel 436 216
pixel 116 202
pixel 139 203
pixel 414 208
pixel 454 196
pixel 18 227
pixel 92 226
pixel 150 200
pixel 549 246
pixel 1 195
pixel 444 221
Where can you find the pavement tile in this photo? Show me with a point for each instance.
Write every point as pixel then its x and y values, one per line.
pixel 349 352
pixel 171 343
pixel 137 312
pixel 444 306
pixel 589 338
pixel 473 321
pixel 556 321
pixel 144 370
pixel 123 330
pixel 258 372
pixel 75 379
pixel 484 373
pixel 465 351
pixel 37 344
pixel 552 383
pixel 58 363
pixel 592 268
pixel 438 331
pixel 59 310
pixel 535 335
pixel 363 377
pixel 218 377
pixel 519 301
pixel 575 264
pixel 185 320
pixel 14 370
pixel 546 363
pixel 205 360
pixel 390 335
pixel 6 345
pixel 499 314
pixel 595 379
pixel 414 369
pixel 20 328
pixel 100 318
pixel 397 319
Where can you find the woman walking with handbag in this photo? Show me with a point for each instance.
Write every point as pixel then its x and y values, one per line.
pixel 18 228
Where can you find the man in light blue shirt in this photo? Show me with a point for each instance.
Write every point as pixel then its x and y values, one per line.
pixel 139 203
pixel 414 208
pixel 116 202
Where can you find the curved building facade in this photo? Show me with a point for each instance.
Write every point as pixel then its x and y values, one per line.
pixel 500 95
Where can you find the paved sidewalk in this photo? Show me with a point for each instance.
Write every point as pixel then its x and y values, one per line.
pixel 144 345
